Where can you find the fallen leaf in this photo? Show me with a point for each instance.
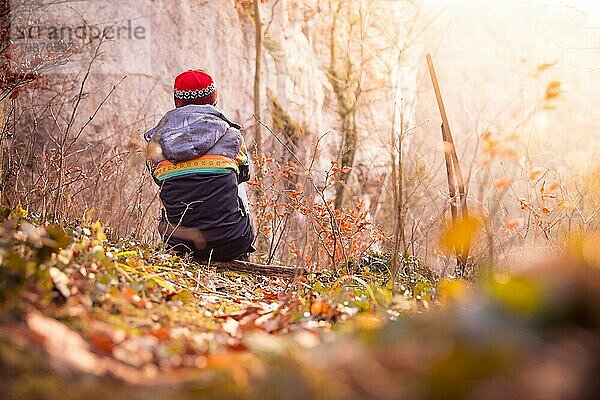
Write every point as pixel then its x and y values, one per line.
pixel 61 282
pixel 248 320
pixel 102 341
pixel 270 322
pixel 232 327
pixel 268 295
pixel 319 308
pixel 162 334
pixel 68 349
pixel 369 321
pixel 134 298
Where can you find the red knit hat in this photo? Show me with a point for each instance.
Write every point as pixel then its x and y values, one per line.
pixel 194 87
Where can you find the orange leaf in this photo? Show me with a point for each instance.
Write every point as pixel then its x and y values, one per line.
pixel 134 298
pixel 509 152
pixel 502 183
pixel 487 135
pixel 102 341
pixel 566 205
pixel 512 224
pixel 319 308
pixel 294 250
pixel 553 90
pixel 162 334
pixel 268 295
pixel 545 66
pixel 535 172
pixel 223 360
pixel 459 235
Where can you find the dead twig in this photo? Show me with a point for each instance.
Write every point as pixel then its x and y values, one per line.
pixel 453 170
pixel 259 269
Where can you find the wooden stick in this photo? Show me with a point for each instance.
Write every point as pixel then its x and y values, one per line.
pixel 258 269
pixel 448 142
pixel 453 169
pixel 447 135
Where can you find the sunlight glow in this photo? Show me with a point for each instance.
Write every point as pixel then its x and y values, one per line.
pixel 590 7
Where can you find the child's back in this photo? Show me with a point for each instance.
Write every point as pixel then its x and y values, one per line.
pixel 198 158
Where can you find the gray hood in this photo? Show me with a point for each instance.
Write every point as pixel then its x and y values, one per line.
pixel 192 131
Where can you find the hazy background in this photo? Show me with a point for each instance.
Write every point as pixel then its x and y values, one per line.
pixel 519 80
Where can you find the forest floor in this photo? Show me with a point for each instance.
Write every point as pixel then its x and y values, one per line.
pixel 82 316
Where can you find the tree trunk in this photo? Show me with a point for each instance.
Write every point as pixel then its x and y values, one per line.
pixel 398 193
pixel 4 43
pixel 345 86
pixel 348 152
pixel 257 72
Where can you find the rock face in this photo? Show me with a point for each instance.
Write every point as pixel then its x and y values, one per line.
pixel 149 42
pixel 152 41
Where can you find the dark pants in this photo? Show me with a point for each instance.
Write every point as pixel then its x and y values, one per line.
pixel 203 215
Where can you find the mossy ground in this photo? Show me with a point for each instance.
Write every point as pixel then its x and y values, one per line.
pixel 83 316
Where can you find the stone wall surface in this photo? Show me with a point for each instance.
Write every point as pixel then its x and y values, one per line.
pixel 153 40
pixel 149 42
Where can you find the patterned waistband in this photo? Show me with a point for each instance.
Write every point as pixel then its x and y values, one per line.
pixel 207 164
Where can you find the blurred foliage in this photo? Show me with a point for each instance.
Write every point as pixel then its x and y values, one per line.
pixel 83 316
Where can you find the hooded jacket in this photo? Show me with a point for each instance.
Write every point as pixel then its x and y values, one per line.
pixel 198 157
pixel 196 139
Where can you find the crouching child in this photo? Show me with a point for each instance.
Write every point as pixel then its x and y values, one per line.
pixel 198 158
